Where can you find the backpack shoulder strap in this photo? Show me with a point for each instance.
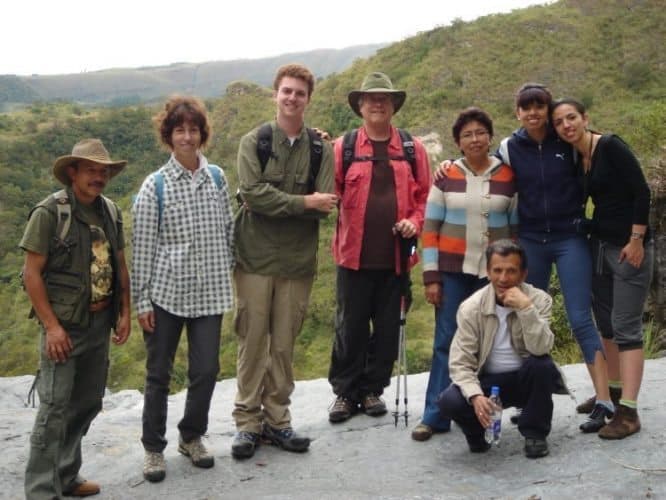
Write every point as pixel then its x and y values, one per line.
pixel 264 145
pixel 504 151
pixel 316 152
pixel 348 148
pixel 408 149
pixel 63 214
pixel 112 208
pixel 216 172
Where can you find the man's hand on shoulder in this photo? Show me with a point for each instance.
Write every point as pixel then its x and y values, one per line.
pixel 516 299
pixel 324 202
pixel 58 344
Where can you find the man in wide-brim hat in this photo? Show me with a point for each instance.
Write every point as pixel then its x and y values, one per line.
pixel 77 281
pixel 376 83
pixel 91 150
pixel 382 176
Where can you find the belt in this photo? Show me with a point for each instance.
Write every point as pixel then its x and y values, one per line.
pixel 100 305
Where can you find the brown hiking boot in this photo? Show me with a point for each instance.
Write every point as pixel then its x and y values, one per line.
pixel 588 405
pixel 624 423
pixel 84 489
pixel 372 405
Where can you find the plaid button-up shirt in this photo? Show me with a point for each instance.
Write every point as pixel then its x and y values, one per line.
pixel 184 262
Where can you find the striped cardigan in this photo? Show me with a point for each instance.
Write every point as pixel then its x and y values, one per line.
pixel 464 213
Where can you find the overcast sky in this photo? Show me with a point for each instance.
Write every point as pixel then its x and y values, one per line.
pixel 71 36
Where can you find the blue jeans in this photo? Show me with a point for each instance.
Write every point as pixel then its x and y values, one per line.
pixel 573 260
pixel 456 287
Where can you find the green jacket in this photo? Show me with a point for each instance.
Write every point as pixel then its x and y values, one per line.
pixel 67 271
pixel 274 234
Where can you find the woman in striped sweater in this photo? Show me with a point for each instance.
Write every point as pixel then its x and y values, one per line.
pixel 474 204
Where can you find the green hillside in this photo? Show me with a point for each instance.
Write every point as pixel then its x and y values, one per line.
pixel 608 53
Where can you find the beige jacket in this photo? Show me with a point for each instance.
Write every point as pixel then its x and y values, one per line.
pixel 477 325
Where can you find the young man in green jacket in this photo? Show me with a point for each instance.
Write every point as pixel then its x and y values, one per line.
pixel 276 235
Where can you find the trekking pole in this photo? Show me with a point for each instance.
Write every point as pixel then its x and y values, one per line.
pixel 407 247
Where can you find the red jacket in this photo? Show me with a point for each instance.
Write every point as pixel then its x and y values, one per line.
pixel 411 196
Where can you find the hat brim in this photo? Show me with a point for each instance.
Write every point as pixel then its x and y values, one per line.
pixel 399 97
pixel 61 164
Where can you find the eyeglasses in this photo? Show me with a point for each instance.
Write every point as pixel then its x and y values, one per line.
pixel 474 133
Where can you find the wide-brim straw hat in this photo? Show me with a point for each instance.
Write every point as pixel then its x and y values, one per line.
pixel 377 83
pixel 87 149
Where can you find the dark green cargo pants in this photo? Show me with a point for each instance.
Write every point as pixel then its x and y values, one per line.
pixel 70 396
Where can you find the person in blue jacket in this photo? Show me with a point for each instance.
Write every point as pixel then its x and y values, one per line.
pixel 551 212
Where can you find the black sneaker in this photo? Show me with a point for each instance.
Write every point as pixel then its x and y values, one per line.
pixel 477 444
pixel 341 410
pixel 286 439
pixel 244 444
pixel 372 405
pixel 536 447
pixel 597 419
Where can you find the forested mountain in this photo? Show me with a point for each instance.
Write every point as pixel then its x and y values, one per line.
pixel 608 53
pixel 125 86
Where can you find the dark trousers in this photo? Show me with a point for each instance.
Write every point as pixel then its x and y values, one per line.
pixel 362 358
pixel 70 396
pixel 203 338
pixel 530 388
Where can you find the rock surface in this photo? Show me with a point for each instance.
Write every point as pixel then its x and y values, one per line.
pixel 362 458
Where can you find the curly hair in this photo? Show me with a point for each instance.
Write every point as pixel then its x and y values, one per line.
pixel 180 109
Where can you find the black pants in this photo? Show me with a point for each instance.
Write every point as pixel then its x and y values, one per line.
pixel 530 388
pixel 362 358
pixel 203 338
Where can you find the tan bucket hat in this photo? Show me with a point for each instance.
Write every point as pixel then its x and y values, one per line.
pixel 87 149
pixel 378 83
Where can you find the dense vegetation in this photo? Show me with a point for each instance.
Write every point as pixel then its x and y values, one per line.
pixel 579 48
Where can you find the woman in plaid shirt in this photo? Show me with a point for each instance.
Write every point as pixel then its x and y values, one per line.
pixel 181 275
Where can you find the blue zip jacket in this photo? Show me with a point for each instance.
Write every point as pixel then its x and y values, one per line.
pixel 550 193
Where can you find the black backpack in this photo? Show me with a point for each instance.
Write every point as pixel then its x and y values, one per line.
pixel 349 146
pixel 265 152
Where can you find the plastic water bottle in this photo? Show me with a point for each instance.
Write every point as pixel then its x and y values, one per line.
pixel 494 431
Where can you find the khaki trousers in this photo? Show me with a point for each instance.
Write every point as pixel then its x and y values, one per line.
pixel 269 314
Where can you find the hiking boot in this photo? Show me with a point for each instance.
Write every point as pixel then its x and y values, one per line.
pixel 597 419
pixel 154 467
pixel 624 423
pixel 373 405
pixel 341 410
pixel 477 444
pixel 536 447
pixel 83 489
pixel 244 444
pixel 197 452
pixel 422 432
pixel 285 438
pixel 588 405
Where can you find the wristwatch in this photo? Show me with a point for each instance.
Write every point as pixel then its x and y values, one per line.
pixel 637 236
